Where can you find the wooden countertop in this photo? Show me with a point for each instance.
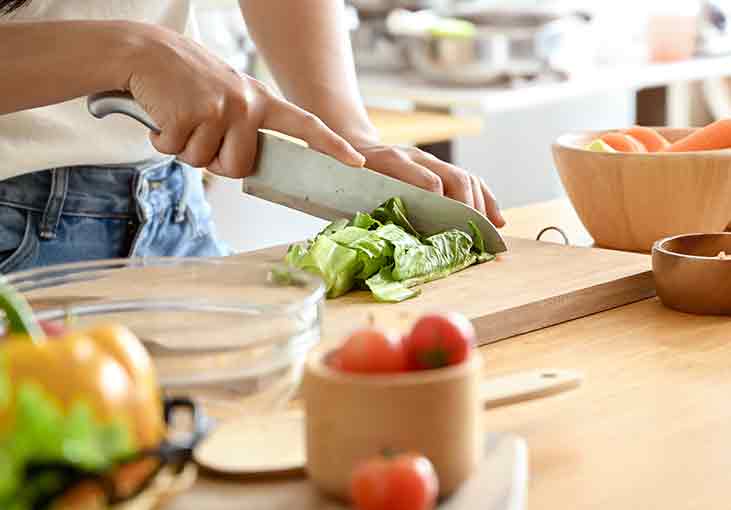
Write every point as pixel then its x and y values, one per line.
pixel 420 128
pixel 651 426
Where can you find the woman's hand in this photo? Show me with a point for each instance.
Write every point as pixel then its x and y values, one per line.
pixel 209 114
pixel 421 169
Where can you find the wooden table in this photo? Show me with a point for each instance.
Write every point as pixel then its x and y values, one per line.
pixel 651 426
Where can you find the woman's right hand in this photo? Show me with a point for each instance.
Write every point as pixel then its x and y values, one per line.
pixel 209 114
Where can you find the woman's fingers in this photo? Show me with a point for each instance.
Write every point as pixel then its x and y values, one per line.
pixel 397 163
pixel 203 145
pixel 492 209
pixel 173 138
pixel 457 183
pixel 294 121
pixel 477 194
pixel 427 172
pixel 238 152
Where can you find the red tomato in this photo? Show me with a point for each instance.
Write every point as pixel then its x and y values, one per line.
pixel 404 482
pixel 438 340
pixel 52 328
pixel 371 350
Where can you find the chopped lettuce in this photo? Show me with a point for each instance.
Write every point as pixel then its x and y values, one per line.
pixel 363 220
pixel 386 289
pixel 441 254
pixel 394 211
pixel 45 449
pixel 383 252
pixel 337 265
pixel 482 254
pixel 335 226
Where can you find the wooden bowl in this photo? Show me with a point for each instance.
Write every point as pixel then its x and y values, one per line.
pixel 352 417
pixel 690 276
pixel 627 201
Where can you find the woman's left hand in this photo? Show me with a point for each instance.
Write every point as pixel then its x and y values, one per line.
pixel 422 169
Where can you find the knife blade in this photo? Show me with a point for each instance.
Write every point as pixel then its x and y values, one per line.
pixel 301 178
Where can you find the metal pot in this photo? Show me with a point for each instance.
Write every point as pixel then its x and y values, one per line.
pixel 479 60
pixel 507 43
pixel 375 48
pixel 381 8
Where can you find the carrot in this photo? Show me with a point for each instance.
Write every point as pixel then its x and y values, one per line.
pixel 651 139
pixel 712 137
pixel 623 143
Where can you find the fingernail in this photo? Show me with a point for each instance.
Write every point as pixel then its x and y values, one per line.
pixel 358 159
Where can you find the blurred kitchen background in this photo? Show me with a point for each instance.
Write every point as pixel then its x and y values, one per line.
pixel 490 84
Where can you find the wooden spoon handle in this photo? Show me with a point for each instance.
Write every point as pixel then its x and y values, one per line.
pixel 522 386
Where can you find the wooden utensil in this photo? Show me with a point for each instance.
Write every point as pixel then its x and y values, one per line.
pixel 627 201
pixel 693 273
pixel 274 443
pixel 533 286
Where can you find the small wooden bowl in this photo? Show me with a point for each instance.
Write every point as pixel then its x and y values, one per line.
pixel 627 201
pixel 690 276
pixel 352 417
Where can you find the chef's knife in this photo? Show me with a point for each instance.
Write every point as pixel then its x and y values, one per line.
pixel 300 178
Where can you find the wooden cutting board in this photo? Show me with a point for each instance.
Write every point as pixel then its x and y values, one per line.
pixel 533 286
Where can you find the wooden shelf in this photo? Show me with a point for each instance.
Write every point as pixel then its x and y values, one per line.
pixel 421 128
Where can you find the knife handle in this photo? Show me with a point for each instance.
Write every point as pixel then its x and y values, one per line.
pixel 105 103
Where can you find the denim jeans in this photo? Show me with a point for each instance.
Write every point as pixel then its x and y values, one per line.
pixel 89 213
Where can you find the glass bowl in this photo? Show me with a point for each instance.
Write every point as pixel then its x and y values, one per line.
pixel 229 332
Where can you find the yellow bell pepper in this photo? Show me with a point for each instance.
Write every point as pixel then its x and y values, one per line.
pixel 98 377
pixel 106 367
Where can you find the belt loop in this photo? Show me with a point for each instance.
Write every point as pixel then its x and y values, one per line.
pixel 54 206
pixel 140 190
pixel 182 206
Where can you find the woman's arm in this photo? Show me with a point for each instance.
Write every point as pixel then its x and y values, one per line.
pixel 208 113
pixel 307 47
pixel 49 62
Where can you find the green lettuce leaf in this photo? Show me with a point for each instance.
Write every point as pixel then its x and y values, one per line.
pixel 479 244
pixel 349 235
pixel 335 264
pixel 388 290
pixel 363 220
pixel 373 251
pixel 439 256
pixel 384 253
pixel 394 234
pixel 394 211
pixel 335 226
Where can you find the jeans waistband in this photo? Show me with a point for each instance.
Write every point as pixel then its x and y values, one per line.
pixel 82 190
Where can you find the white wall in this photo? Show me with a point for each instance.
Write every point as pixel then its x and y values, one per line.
pixel 514 151
pixel 248 223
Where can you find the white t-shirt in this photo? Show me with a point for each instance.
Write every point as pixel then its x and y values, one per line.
pixel 65 134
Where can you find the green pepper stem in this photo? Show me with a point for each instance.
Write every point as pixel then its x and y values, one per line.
pixel 19 316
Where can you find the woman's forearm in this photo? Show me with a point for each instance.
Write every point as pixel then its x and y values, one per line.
pixel 48 62
pixel 307 48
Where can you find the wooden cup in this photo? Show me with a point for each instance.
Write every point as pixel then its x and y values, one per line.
pixel 352 417
pixel 689 274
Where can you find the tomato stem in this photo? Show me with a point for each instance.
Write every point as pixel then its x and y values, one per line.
pixel 19 318
pixel 389 452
